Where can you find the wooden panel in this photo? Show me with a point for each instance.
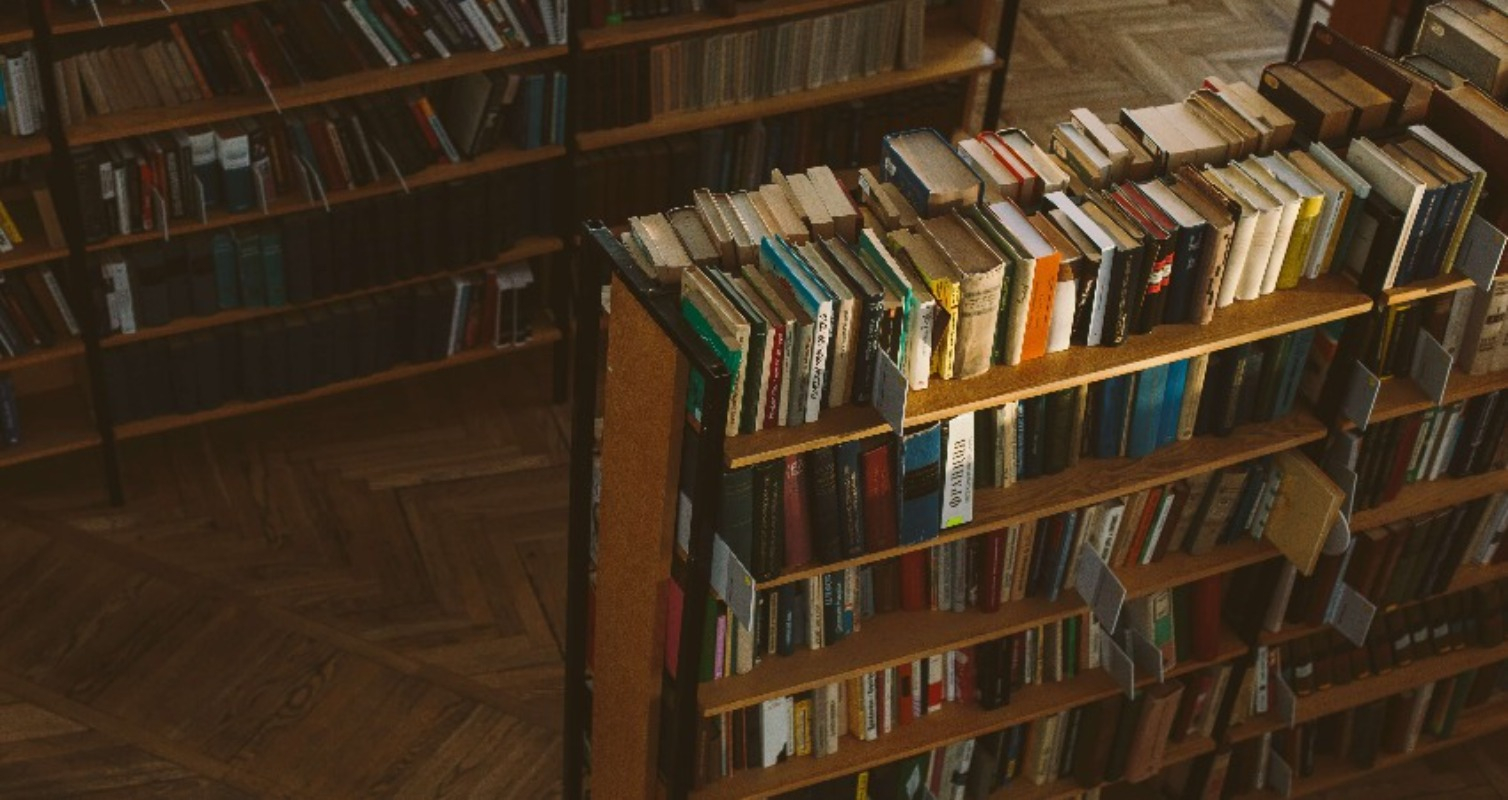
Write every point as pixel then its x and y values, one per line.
pixel 293 203
pixel 896 638
pixel 32 251
pixel 65 20
pixel 151 120
pixel 52 423
pixel 642 424
pixel 544 334
pixel 72 348
pixel 1426 496
pixel 13 28
pixel 1094 480
pixel 526 248
pixel 1312 303
pixel 13 148
pixel 748 12
pixel 955 722
pixel 1418 290
pixel 949 53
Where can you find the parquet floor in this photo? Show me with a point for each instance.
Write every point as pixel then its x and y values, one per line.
pixel 364 596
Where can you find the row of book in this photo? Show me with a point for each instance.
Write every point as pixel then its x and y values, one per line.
pixel 138 185
pixel 1108 741
pixel 316 255
pixel 1468 324
pixel 300 351
pixel 34 312
pixel 1039 559
pixel 1360 736
pixel 615 183
pixel 1417 558
pixel 263 47
pixel 22 111
pixel 866 496
pixel 1457 440
pixel 629 85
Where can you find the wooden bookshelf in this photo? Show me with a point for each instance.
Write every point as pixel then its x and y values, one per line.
pixel 1360 692
pixel 72 348
pixel 1063 789
pixel 15 148
pixel 1419 290
pixel 1426 496
pixel 14 28
pixel 295 202
pixel 955 722
pixel 66 20
pixel 30 252
pixel 1400 396
pixel 1331 772
pixel 748 12
pixel 950 52
pixel 52 423
pixel 1311 303
pixel 526 248
pixel 888 640
pixel 1095 480
pixel 544 334
pixel 142 121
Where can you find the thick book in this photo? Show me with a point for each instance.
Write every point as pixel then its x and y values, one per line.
pixel 921 484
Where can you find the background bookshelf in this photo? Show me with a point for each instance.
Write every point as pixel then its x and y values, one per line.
pixel 65 398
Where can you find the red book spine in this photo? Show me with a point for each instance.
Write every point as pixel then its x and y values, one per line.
pixel 798 538
pixel 1401 456
pixel 990 568
pixel 914 595
pixel 904 712
pixel 774 385
pixel 1206 617
pixel 967 679
pixel 879 500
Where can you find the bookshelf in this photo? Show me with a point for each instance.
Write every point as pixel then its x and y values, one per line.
pixel 63 391
pixel 645 726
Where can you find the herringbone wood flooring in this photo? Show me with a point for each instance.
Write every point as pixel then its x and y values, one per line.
pixel 363 597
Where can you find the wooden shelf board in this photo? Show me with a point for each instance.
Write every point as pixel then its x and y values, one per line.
pixel 956 722
pixel 15 148
pixel 1400 396
pixel 898 637
pixel 1312 303
pixel 528 247
pixel 13 29
pixel 141 121
pixel 949 52
pixel 1331 772
pixel 544 334
pixel 1463 386
pixel 671 27
pixel 294 203
pixel 1177 753
pixel 52 423
pixel 1426 496
pixel 1467 577
pixel 32 251
pixel 66 21
pixel 1095 480
pixel 1399 679
pixel 1418 290
pixel 72 348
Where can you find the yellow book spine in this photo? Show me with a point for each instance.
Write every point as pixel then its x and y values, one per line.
pixel 8 225
pixel 947 293
pixel 1299 243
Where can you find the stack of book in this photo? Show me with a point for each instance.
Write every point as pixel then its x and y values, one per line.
pixel 21 93
pixel 306 257
pixel 300 351
pixel 263 47
pixel 138 185
pixel 635 85
pixel 34 312
pixel 618 182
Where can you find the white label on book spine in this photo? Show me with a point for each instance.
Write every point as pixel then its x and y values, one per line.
pixel 958 477
pixel 1481 252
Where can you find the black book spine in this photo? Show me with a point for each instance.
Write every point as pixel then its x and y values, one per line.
pixel 851 497
pixel 1060 410
pixel 827 539
pixel 769 519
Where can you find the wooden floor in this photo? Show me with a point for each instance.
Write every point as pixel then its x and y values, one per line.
pixel 364 596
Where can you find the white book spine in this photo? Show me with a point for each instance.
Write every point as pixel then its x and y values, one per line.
pixel 480 24
pixel 371 34
pixel 1235 262
pixel 820 345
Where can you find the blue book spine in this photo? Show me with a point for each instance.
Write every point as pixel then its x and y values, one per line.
pixel 1293 371
pixel 921 485
pixel 1112 415
pixel 851 497
pixel 227 275
pixel 1172 403
pixel 1146 416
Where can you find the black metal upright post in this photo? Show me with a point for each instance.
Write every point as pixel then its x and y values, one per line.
pixel 82 286
pixel 1005 40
